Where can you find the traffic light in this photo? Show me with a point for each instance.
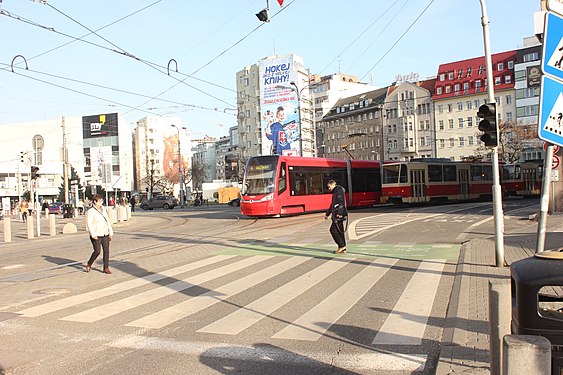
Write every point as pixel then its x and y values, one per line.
pixel 263 15
pixel 488 112
pixel 34 174
pixel 21 156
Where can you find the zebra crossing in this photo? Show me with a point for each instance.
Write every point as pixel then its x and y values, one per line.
pixel 289 278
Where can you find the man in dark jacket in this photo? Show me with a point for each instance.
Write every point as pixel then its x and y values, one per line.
pixel 338 213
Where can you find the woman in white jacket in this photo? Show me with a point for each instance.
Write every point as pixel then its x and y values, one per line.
pixel 99 227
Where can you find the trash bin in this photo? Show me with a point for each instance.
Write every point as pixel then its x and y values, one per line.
pixel 68 211
pixel 537 301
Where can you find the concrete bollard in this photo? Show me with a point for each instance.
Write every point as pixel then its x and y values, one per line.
pixel 52 226
pixel 30 228
pixel 7 229
pixel 46 212
pixel 111 215
pixel 526 355
pixel 122 217
pixel 500 314
pixel 128 212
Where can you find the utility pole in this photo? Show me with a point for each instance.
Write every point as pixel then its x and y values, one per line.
pixel 65 163
pixel 497 193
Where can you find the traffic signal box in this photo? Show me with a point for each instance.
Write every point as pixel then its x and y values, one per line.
pixel 488 112
pixel 34 174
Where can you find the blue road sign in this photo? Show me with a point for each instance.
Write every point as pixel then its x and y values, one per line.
pixel 551 111
pixel 552 63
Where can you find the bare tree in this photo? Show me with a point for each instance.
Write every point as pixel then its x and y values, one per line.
pixel 198 174
pixel 514 138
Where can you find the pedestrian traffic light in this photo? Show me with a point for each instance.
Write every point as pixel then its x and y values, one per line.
pixel 34 174
pixel 488 112
pixel 263 15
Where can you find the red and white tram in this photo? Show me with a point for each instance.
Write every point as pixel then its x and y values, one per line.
pixel 435 180
pixel 286 185
pixel 522 179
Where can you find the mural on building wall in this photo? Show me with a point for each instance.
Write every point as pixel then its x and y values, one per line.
pixel 279 121
pixel 170 159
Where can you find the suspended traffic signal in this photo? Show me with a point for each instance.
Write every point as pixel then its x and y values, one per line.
pixel 21 156
pixel 488 112
pixel 263 15
pixel 34 174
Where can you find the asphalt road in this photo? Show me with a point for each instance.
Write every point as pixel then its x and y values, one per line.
pixel 206 291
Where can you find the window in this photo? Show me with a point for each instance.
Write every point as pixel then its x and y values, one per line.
pixel 519 75
pixel 442 143
pixel 497 81
pixel 481 69
pixel 477 103
pixel 465 87
pixel 450 107
pixel 470 122
pixel 451 75
pixel 469 72
pixel 500 67
pixel 439 91
pixel 507 79
pixel 531 57
pixel 440 108
pixel 456 87
pixel 510 65
pixel 451 123
pixel 435 173
pixel 352 107
pixel 459 106
pixel 460 74
pixel 469 104
pixel 508 99
pixel 461 141
pixel 452 142
pixel 450 173
pixel 448 89
pixel 509 117
pixel 442 77
pixel 441 124
pixel 470 140
pixel 460 122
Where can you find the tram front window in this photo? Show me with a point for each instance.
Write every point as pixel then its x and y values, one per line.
pixel 260 175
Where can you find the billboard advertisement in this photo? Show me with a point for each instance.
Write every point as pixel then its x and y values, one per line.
pixel 100 162
pixel 99 125
pixel 280 125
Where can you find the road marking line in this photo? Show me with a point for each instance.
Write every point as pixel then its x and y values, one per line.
pixel 184 309
pixel 117 288
pixel 119 306
pixel 265 353
pixel 406 324
pixel 313 324
pixel 243 318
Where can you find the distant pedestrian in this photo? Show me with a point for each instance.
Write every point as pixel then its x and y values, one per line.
pixel 80 207
pixel 100 230
pixel 338 214
pixel 24 210
pixel 132 201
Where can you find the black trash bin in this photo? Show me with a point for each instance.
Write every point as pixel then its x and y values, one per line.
pixel 68 211
pixel 537 302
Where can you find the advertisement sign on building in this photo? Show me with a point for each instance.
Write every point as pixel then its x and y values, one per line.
pixel 101 147
pixel 280 125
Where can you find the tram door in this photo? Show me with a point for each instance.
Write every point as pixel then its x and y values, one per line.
pixel 529 176
pixel 418 185
pixel 463 178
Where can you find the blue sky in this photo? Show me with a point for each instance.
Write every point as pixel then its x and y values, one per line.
pixel 212 40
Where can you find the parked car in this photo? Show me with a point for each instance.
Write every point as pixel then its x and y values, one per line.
pixel 234 202
pixel 160 201
pixel 55 208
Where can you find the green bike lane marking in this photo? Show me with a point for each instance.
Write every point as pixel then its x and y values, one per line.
pixel 400 251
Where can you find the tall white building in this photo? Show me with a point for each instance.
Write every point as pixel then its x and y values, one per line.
pixel 156 154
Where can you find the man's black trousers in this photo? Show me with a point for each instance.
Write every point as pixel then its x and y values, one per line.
pixel 337 232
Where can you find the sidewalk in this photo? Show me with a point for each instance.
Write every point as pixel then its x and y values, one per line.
pixel 465 342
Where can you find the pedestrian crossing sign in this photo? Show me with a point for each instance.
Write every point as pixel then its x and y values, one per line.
pixel 551 111
pixel 553 46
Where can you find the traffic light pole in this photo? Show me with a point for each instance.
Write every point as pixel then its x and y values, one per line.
pixel 497 192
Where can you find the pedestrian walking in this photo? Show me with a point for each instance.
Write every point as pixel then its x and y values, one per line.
pixel 24 210
pixel 132 201
pixel 338 214
pixel 101 232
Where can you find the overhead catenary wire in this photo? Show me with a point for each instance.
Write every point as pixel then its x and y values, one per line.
pixel 399 39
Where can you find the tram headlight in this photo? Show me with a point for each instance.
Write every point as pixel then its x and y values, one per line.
pixel 268 197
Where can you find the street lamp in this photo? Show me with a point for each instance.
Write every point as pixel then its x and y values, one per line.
pixel 296 89
pixel 180 172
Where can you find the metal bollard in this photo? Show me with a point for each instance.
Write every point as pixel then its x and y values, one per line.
pixel 526 354
pixel 500 312
pixel 52 226
pixel 30 228
pixel 7 229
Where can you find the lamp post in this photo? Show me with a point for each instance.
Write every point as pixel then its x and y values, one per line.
pixel 180 173
pixel 298 92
